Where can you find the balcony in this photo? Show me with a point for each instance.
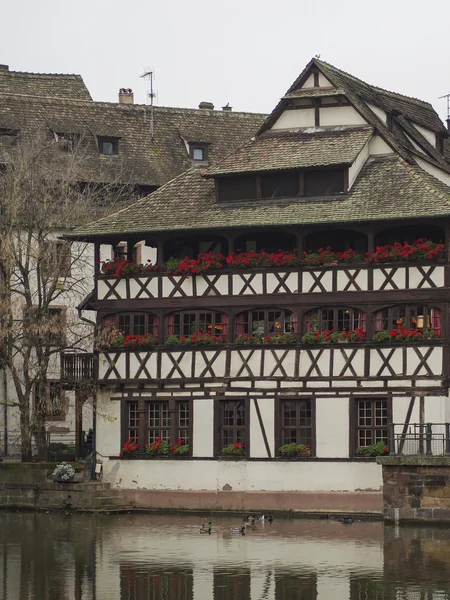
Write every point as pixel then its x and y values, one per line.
pixel 419 439
pixel 352 365
pixel 274 281
pixel 77 368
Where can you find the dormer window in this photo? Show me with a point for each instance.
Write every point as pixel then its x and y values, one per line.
pixel 284 184
pixel 198 152
pixel 8 137
pixel 108 145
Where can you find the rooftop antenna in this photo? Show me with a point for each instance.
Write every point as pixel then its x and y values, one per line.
pixel 150 74
pixel 447 96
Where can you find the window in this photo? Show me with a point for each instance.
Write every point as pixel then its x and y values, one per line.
pixel 167 419
pixel 54 401
pixel 198 153
pixel 108 145
pixel 283 184
pixel 321 183
pixel 261 323
pixel 296 426
pixel 45 326
pixel 231 423
pixel 8 137
pixel 56 259
pixel 134 323
pixel 237 188
pixel 184 324
pixel 340 319
pixel 120 252
pixel 409 317
pixel 371 420
pixel 68 142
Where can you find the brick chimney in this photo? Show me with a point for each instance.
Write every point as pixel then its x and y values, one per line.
pixel 4 67
pixel 126 96
pixel 206 105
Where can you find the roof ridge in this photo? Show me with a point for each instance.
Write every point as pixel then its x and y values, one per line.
pixel 374 87
pixel 42 74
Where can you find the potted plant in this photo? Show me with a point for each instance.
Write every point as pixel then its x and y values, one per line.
pixel 162 447
pixel 294 449
pixel 64 473
pixel 130 448
pixel 378 449
pixel 237 449
pixel 280 338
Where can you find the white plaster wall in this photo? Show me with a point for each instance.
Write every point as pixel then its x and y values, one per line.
pixel 381 114
pixel 257 446
pixel 341 115
pixel 242 476
pixel 377 146
pixel 323 81
pixel 332 427
pixel 358 165
pixel 309 83
pixel 292 119
pixel 432 170
pixel 203 427
pixel 427 134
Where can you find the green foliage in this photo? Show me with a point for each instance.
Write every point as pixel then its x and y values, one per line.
pixel 294 449
pixel 379 449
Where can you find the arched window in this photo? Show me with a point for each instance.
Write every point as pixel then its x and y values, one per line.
pixel 134 323
pixel 339 319
pixel 410 234
pixel 186 323
pixel 268 241
pixel 338 240
pixel 261 323
pixel 408 316
pixel 192 246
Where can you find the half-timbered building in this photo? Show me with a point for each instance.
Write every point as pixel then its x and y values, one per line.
pixel 298 306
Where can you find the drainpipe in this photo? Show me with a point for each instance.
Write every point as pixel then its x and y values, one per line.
pixel 5 396
pixel 94 405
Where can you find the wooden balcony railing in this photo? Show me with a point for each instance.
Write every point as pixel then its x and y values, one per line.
pixel 77 367
pixel 276 281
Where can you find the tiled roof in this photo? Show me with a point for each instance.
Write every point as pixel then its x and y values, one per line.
pixel 419 111
pixel 276 150
pixel 386 188
pixel 44 85
pixel 141 160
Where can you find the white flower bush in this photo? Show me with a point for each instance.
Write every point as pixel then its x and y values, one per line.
pixel 64 472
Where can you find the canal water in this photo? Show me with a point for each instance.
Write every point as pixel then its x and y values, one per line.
pixel 164 557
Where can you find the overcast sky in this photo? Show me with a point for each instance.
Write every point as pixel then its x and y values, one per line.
pixel 245 52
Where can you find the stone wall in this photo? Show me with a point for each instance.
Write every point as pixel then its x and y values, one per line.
pixel 416 488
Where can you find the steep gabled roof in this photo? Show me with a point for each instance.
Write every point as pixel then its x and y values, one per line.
pixel 275 150
pixel 45 85
pixel 141 159
pixel 386 188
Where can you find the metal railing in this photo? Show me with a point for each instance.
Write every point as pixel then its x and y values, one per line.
pixel 64 446
pixel 77 367
pixel 428 439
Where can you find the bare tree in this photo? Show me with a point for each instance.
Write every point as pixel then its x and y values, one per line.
pixel 44 193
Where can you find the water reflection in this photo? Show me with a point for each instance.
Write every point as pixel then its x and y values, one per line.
pixel 163 557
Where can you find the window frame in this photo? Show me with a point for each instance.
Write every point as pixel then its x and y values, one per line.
pixel 142 410
pixel 335 309
pixel 62 397
pixel 218 426
pixel 197 313
pixel 132 314
pixel 353 415
pixel 114 141
pixel 279 427
pixel 63 262
pixel 120 251
pixel 391 320
pixel 266 311
pixel 199 146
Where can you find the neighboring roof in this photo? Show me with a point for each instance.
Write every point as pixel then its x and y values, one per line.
pixel 276 150
pixel 141 159
pixel 47 85
pixel 386 188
